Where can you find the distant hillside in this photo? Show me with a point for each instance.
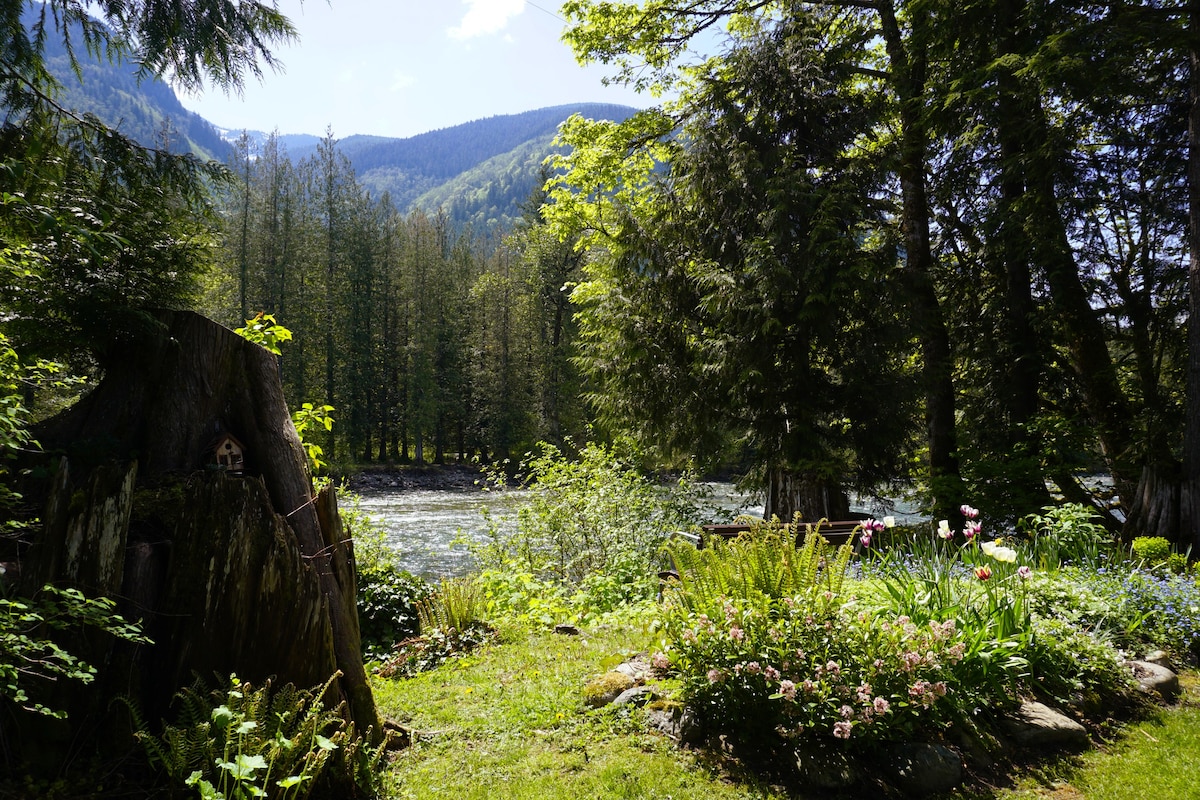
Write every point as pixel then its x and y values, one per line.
pixel 480 172
pixel 147 112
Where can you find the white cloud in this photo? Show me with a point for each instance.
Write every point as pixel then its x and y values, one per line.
pixel 485 17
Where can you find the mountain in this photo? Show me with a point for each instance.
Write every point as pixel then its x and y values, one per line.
pixel 147 111
pixel 480 172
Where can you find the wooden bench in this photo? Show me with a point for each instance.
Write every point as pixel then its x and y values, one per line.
pixel 836 532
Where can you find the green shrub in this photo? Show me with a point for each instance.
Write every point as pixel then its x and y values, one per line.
pixel 1150 550
pixel 1067 534
pixel 456 605
pixel 239 741
pixel 1068 664
pixel 598 515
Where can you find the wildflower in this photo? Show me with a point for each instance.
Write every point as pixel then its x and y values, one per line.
pixel 968 512
pixel 787 689
pixel 1024 572
pixel 841 729
pixel 944 529
pixel 983 573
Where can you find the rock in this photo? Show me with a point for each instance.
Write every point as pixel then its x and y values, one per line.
pixel 566 630
pixel 826 768
pixel 919 769
pixel 637 695
pixel 1153 677
pixel 637 668
pixel 1159 657
pixel 678 723
pixel 1038 725
pixel 603 690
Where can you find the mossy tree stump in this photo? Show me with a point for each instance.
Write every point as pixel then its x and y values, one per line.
pixel 249 573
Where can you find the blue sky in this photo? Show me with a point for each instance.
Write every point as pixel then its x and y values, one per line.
pixel 403 67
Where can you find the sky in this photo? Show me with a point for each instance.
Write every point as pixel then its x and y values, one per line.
pixel 403 67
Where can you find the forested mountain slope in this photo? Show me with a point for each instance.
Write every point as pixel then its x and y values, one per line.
pixel 146 111
pixel 480 172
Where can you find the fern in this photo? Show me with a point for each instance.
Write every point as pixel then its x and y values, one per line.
pixel 239 740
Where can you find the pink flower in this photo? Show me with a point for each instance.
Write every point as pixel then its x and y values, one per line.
pixel 660 662
pixel 841 729
pixel 972 529
pixel 865 538
pixel 968 512
pixel 787 689
pixel 833 668
pixel 847 712
pixel 881 705
pixel 754 668
pixel 771 674
pixel 737 634
pixel 715 676
pixel 1024 572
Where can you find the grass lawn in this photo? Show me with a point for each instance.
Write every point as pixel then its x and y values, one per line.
pixel 507 722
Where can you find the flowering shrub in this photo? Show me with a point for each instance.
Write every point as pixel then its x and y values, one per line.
pixel 814 668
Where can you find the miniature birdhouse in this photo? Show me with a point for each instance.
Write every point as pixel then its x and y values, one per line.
pixel 228 453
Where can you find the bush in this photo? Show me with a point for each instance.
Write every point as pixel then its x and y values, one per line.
pixel 595 516
pixel 1068 534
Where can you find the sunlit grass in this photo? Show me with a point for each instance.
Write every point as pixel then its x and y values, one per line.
pixel 1158 758
pixel 509 722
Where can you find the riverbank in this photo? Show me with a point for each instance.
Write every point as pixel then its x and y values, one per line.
pixel 445 477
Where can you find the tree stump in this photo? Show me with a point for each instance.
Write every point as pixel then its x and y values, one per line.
pixel 247 572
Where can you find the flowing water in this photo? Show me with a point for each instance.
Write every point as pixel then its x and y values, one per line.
pixel 431 529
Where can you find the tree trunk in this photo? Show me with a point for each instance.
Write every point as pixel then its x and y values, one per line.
pixel 1190 490
pixel 789 494
pixel 231 571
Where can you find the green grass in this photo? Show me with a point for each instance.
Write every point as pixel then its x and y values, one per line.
pixel 1157 758
pixel 508 722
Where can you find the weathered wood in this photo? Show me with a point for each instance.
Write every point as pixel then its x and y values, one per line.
pixel 250 574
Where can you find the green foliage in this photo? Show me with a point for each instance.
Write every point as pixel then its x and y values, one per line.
pixel 597 517
pixel 1069 664
pixel 265 332
pixel 31 659
pixel 1150 550
pixel 455 605
pixel 238 742
pixel 1067 534
pixel 309 419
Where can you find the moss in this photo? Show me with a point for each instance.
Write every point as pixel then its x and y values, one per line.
pixel 604 689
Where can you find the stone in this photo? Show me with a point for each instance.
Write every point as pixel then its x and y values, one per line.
pixel 566 630
pixel 678 723
pixel 601 691
pixel 1038 725
pixel 826 768
pixel 637 695
pixel 919 769
pixel 1154 678
pixel 637 668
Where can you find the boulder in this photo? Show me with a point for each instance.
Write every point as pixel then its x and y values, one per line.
pixel 919 769
pixel 1038 725
pixel 1153 678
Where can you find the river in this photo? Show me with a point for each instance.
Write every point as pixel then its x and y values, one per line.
pixel 430 529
